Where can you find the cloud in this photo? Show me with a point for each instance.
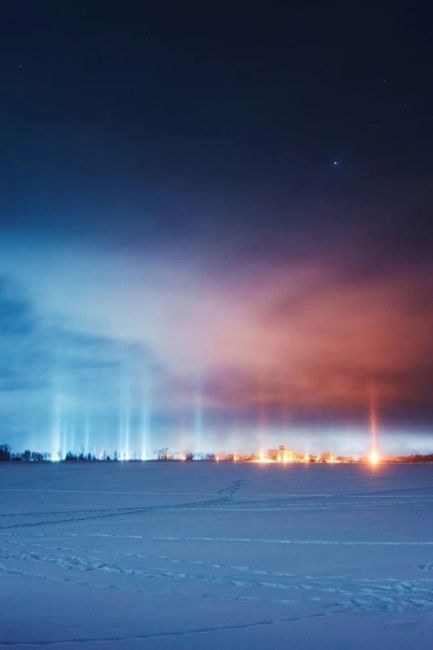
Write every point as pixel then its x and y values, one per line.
pixel 44 363
pixel 304 340
pixel 320 341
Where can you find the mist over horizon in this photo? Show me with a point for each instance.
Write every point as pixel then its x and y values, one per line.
pixel 121 349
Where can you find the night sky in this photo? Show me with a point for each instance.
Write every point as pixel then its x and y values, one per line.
pixel 216 225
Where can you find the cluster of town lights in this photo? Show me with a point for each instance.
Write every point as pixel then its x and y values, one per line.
pixel 281 455
pixel 285 456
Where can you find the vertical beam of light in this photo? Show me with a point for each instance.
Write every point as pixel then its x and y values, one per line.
pixel 87 433
pixel 145 422
pixel 65 438
pixel 56 431
pixel 373 426
pixel 263 428
pixel 124 419
pixel 182 428
pixel 72 425
pixel 198 416
pixel 126 453
pixel 286 427
pixel 120 431
pixel 374 456
pixel 66 424
pixel 68 430
pixel 235 437
pixel 65 428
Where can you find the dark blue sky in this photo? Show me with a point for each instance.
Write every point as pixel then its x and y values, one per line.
pixel 226 208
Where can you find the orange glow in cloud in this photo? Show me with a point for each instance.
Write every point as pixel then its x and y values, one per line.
pixel 308 341
pixel 306 336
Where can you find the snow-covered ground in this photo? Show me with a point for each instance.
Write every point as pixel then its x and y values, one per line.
pixel 161 556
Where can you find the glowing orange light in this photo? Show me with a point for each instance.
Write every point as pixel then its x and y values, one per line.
pixel 374 457
pixel 263 458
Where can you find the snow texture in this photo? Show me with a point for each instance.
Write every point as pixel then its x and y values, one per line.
pixel 201 555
